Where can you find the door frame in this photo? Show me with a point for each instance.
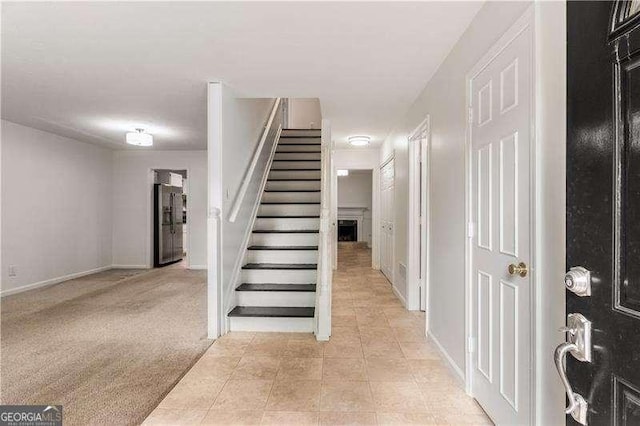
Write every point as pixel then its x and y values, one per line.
pixel 418 232
pixel 527 20
pixel 392 278
pixel 150 223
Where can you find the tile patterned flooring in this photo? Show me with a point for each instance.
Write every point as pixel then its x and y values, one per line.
pixel 378 368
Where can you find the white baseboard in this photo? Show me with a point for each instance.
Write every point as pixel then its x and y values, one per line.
pixel 448 360
pixel 322 338
pixel 400 296
pixel 52 281
pixel 129 267
pixel 198 267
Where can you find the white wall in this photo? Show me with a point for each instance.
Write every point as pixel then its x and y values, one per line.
pixel 359 159
pixel 444 100
pixel 56 207
pixel 355 190
pixel 304 113
pixel 132 198
pixel 242 125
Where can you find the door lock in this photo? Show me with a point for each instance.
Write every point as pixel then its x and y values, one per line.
pixel 578 331
pixel 578 280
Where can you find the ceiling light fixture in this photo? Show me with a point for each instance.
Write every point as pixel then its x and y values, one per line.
pixel 139 138
pixel 359 140
pixel 343 172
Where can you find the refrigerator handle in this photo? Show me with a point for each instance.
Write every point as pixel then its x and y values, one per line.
pixel 171 212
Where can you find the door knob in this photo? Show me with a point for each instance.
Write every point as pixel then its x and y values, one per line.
pixel 519 269
pixel 578 344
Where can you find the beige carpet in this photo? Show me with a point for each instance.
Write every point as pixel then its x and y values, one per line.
pixel 108 346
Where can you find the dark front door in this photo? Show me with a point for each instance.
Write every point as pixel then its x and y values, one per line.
pixel 603 210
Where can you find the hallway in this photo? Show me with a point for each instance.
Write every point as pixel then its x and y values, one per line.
pixel 376 369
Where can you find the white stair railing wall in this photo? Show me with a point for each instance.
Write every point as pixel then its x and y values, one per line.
pixel 326 240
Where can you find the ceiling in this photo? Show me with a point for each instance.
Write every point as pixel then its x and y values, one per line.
pixel 94 70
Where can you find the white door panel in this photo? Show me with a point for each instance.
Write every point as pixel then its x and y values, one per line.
pixel 500 158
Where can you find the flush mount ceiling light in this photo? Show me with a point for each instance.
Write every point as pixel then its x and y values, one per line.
pixel 343 172
pixel 139 138
pixel 359 140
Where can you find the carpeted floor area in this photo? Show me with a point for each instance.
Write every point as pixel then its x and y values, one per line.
pixel 108 346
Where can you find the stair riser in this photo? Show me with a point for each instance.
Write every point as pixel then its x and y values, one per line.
pixel 289 210
pixel 297 156
pixel 284 141
pixel 287 224
pixel 276 298
pixel 285 165
pixel 291 197
pixel 281 256
pixel 292 146
pixel 293 185
pixel 301 132
pixel 284 240
pixel 293 174
pixel 268 324
pixel 284 276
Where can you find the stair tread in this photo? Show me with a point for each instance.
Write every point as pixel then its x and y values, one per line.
pixel 288 202
pixel 286 231
pixel 299 144
pixel 279 266
pixel 300 136
pixel 282 248
pixel 295 170
pixel 286 217
pixel 298 152
pixel 289 161
pixel 293 180
pixel 272 311
pixel 291 190
pixel 276 287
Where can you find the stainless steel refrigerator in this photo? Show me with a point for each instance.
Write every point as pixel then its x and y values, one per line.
pixel 168 244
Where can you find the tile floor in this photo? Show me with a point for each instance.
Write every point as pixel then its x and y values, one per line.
pixel 378 368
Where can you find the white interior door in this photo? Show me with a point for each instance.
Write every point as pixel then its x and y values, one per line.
pixel 500 172
pixel 386 200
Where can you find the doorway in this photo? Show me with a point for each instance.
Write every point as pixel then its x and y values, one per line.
pixel 355 206
pixel 418 253
pixel 500 244
pixel 169 219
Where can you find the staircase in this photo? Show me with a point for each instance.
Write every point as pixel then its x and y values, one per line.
pixel 278 279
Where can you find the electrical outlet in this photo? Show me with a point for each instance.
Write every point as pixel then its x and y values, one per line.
pixel 13 271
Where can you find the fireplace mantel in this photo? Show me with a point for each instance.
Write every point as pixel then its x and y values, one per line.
pixel 352 210
pixel 354 213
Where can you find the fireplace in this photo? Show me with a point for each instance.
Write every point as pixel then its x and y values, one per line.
pixel 347 230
